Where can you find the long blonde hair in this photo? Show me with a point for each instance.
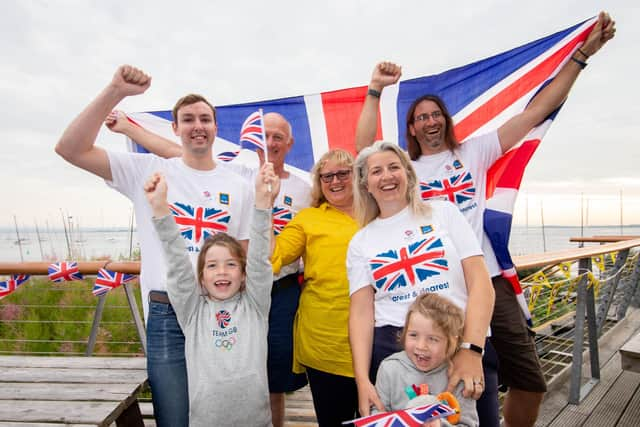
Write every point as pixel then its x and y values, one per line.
pixel 339 156
pixel 366 208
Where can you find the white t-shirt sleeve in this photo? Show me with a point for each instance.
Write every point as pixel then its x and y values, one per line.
pixel 245 213
pixel 483 150
pixel 461 233
pixel 357 266
pixel 128 171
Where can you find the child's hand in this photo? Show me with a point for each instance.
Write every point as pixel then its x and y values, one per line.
pixel 156 191
pixel 267 186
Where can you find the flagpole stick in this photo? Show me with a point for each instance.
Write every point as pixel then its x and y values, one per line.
pixel 264 141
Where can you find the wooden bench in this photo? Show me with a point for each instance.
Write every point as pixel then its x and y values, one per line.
pixel 630 354
pixel 76 391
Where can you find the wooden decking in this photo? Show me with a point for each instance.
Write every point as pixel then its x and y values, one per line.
pixel 614 401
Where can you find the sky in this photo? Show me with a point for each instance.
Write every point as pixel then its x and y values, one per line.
pixel 58 55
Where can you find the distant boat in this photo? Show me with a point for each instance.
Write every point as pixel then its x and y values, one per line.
pixel 22 241
pixel 111 239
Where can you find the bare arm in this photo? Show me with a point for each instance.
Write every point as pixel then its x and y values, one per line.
pixel 361 323
pixel 117 122
pixel 466 364
pixel 76 145
pixel 384 74
pixel 552 96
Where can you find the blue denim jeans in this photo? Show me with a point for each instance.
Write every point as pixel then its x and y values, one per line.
pixel 167 367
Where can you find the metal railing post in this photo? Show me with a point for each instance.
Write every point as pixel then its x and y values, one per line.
pixel 133 306
pixel 96 324
pixel 630 290
pixel 608 294
pixel 585 307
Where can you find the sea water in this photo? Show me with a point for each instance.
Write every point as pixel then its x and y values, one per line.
pixel 120 244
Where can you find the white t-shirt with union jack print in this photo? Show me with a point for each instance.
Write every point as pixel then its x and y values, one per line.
pixel 202 203
pixel 461 178
pixel 404 256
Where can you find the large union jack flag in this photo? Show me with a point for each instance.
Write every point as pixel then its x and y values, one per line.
pixel 107 280
pixel 281 217
pixel 456 189
pixel 481 96
pixel 8 286
pixel 402 267
pixel 412 417
pixel 65 271
pixel 198 223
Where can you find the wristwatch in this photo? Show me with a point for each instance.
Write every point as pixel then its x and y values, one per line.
pixel 472 347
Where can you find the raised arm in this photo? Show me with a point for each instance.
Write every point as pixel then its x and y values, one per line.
pixel 554 94
pixel 77 144
pixel 118 122
pixel 182 284
pixel 384 74
pixel 259 271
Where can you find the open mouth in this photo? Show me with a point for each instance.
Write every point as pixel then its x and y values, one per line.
pixel 222 284
pixel 422 359
pixel 389 187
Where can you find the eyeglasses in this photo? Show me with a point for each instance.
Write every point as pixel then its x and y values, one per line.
pixel 342 175
pixel 425 116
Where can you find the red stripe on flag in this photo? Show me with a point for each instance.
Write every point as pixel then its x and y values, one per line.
pixel 508 170
pixel 341 112
pixel 515 90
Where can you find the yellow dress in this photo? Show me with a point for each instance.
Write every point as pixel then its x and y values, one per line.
pixel 320 336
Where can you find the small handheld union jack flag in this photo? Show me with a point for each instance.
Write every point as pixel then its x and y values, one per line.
pixel 64 272
pixel 8 286
pixel 456 189
pixel 252 132
pixel 108 280
pixel 412 417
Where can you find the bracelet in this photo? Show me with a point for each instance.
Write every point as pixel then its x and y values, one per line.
pixel 582 52
pixel 582 64
pixel 374 93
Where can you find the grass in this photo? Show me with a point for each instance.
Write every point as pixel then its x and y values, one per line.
pixel 42 317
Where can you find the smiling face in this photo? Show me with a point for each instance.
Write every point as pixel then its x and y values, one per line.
pixel 338 188
pixel 222 274
pixel 387 182
pixel 279 139
pixel 429 127
pixel 196 128
pixel 425 343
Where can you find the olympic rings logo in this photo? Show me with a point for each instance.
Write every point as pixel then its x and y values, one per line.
pixel 227 344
